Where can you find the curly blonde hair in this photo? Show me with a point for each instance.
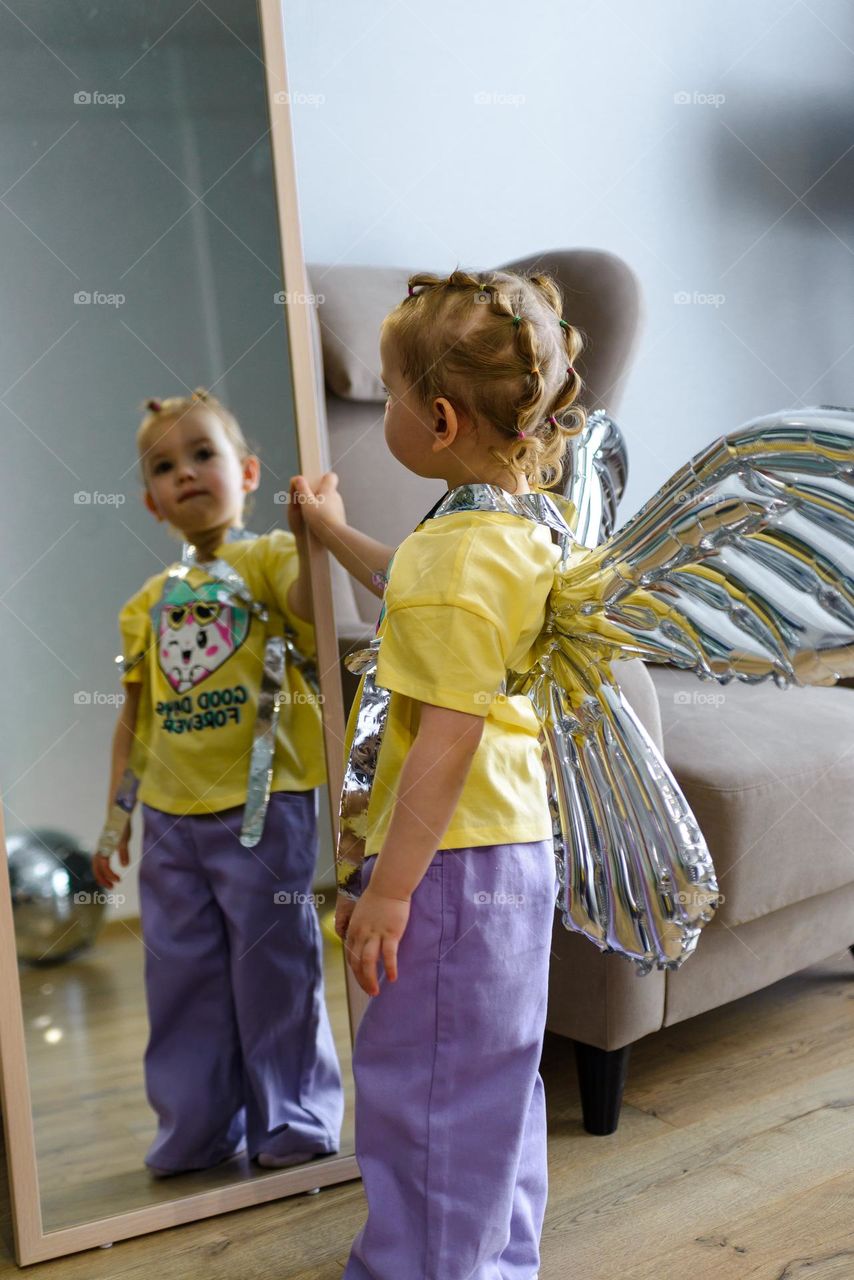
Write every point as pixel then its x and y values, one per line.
pixel 496 345
pixel 176 407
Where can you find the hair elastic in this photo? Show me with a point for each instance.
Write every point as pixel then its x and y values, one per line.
pixel 521 435
pixel 411 291
pixel 154 405
pixel 563 324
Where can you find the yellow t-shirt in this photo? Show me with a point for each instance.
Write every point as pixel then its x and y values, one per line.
pixel 202 674
pixel 465 600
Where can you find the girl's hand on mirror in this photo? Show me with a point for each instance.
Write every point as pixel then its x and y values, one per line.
pixel 105 875
pixel 321 507
pixel 374 932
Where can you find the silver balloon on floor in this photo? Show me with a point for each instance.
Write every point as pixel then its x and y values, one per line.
pixel 58 906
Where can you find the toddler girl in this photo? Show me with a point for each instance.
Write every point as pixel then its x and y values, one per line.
pixel 221 721
pixel 455 898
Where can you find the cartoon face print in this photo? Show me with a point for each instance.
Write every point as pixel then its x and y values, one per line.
pixel 197 633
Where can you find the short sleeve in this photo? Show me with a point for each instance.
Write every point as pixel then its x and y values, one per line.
pixel 443 654
pixel 135 632
pixel 281 569
pixel 462 593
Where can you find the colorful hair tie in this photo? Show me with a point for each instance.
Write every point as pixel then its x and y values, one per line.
pixel 517 320
pixel 154 405
pixel 411 291
pixel 521 435
pixel 552 419
pixel 570 369
pixel 563 324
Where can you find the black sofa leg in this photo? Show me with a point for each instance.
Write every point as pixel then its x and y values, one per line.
pixel 601 1077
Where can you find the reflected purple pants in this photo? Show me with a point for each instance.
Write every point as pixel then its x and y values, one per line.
pixel 240 1045
pixel 450 1105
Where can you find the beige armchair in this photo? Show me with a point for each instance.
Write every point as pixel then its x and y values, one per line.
pixel 768 772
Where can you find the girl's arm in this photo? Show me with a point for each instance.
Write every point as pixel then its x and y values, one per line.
pixel 323 511
pixel 361 555
pixel 429 787
pixel 123 736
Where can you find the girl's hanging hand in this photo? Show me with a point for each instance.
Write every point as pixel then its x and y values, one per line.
pixel 375 928
pixel 101 869
pixel 343 911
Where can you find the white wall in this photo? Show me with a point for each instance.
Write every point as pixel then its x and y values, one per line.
pixel 585 144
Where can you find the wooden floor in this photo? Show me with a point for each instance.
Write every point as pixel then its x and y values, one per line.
pixel 86 1030
pixel 734 1158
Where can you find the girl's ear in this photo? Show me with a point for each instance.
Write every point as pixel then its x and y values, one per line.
pixel 251 473
pixel 445 423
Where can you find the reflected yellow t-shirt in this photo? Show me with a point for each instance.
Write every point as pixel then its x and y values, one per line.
pixel 202 674
pixel 465 600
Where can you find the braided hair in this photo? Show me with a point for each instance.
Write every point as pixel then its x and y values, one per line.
pixel 495 343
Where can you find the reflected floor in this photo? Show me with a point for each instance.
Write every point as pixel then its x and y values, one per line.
pixel 86 1030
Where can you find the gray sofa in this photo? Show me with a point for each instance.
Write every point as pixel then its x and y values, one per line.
pixel 768 772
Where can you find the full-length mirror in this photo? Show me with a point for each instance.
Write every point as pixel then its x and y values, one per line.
pixel 183 991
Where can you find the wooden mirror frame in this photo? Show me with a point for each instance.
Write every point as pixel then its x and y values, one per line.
pixel 32 1243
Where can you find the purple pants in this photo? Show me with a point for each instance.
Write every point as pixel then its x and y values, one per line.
pixel 240 1047
pixel 450 1105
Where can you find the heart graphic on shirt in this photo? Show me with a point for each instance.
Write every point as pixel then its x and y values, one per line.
pixel 196 632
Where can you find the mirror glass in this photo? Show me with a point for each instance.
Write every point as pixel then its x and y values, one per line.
pixel 193 1017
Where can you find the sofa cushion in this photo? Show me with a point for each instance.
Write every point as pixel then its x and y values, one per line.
pixel 352 303
pixel 602 297
pixel 769 774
